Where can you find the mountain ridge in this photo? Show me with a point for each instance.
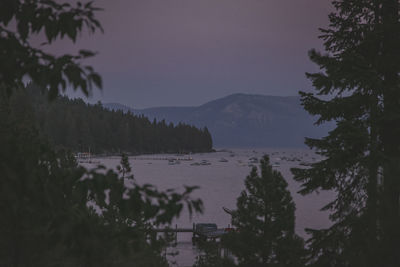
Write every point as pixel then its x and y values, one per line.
pixel 243 120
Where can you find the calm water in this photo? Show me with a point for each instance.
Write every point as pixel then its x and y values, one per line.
pixel 221 183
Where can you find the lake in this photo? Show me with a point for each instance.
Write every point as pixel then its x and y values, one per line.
pixel 220 176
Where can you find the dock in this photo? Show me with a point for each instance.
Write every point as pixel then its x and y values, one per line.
pixel 204 231
pixel 163 158
pixel 174 230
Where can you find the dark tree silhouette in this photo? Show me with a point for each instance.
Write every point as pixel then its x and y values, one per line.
pixel 72 124
pixel 359 85
pixel 56 213
pixel 53 212
pixel 265 221
pixel 55 20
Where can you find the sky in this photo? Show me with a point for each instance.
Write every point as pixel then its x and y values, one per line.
pixel 187 52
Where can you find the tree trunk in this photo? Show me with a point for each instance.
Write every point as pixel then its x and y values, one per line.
pixel 372 189
pixel 391 134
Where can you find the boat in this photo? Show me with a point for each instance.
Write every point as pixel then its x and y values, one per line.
pixel 229 211
pixel 253 160
pixel 208 231
pixel 205 162
pixel 201 163
pixel 173 162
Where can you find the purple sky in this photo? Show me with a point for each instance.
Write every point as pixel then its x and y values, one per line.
pixel 187 52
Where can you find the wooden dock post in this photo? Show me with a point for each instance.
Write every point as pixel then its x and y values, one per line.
pixel 176 233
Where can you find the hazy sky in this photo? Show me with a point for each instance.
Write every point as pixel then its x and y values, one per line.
pixel 187 52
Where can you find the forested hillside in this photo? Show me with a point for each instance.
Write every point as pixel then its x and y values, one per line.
pixel 244 120
pixel 73 124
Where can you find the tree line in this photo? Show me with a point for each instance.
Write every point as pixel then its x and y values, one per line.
pixel 76 125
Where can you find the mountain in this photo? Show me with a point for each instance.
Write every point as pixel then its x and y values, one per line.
pixel 243 120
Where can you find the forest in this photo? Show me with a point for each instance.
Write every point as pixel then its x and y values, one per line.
pixel 78 126
pixel 55 212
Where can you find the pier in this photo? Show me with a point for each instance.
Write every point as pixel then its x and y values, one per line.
pixel 163 158
pixel 204 231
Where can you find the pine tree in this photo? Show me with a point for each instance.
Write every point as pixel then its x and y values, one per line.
pixel 265 221
pixel 358 83
pixel 390 131
pixel 54 212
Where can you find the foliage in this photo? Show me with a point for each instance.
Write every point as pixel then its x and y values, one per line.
pixel 212 255
pixel 358 88
pixel 20 20
pixel 265 222
pixel 57 213
pixel 73 124
pixel 125 167
pixel 54 212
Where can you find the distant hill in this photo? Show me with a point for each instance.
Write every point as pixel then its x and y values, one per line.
pixel 243 120
pixel 75 125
